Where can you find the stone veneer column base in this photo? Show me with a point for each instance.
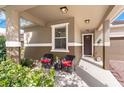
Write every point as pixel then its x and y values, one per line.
pixel 14 54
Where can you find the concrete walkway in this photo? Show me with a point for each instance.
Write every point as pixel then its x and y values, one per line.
pixel 94 75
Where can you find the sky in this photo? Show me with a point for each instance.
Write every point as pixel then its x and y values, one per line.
pixel 120 17
pixel 2 20
pixel 2 23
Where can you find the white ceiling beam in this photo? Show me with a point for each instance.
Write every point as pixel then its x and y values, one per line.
pixel 24 14
pixel 33 19
pixel 2 6
pixel 104 17
pixel 115 12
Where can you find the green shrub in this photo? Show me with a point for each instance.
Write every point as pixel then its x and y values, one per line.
pixel 27 62
pixel 15 75
pixel 2 48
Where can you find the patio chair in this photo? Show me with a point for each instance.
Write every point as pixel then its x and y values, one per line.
pixel 67 62
pixel 47 60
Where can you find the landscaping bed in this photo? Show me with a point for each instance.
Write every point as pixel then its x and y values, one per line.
pixel 16 75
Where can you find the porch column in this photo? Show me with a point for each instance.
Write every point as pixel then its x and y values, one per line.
pixel 13 43
pixel 106 44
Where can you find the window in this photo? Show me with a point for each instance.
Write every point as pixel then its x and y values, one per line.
pixel 60 37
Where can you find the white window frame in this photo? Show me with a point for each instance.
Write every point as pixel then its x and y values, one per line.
pixel 53 37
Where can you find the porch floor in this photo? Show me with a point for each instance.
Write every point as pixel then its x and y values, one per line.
pixel 94 75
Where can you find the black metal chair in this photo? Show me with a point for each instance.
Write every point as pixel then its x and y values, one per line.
pixel 47 60
pixel 67 62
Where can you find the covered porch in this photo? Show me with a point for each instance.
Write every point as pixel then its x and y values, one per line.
pixel 47 29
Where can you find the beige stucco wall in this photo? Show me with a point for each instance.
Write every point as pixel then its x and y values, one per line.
pixel 70 27
pixel 77 33
pixel 44 35
pixel 98 34
pixel 78 54
pixel 77 40
pixel 98 48
pixel 98 52
pixel 37 52
pixel 39 34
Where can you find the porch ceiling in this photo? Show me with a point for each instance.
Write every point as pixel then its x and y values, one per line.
pixel 80 12
pixel 21 8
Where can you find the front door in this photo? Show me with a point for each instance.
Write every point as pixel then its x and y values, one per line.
pixel 88 44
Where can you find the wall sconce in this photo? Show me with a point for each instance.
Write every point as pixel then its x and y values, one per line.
pixel 99 41
pixel 64 9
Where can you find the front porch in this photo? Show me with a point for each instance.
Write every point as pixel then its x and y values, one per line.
pixel 52 31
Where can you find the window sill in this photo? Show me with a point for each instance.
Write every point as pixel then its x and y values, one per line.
pixel 59 50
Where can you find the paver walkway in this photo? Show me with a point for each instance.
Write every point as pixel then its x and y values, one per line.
pixel 117 69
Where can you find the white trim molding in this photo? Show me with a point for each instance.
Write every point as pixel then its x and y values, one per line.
pixel 50 44
pixel 106 43
pixel 96 44
pixel 13 44
pixel 101 44
pixel 74 44
pixel 38 45
pixel 59 50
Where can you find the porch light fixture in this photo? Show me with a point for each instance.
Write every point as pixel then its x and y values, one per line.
pixel 87 21
pixel 64 9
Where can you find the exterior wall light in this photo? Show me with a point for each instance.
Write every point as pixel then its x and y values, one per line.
pixel 64 9
pixel 87 21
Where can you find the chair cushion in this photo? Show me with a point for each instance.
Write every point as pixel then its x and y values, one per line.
pixel 67 63
pixel 46 60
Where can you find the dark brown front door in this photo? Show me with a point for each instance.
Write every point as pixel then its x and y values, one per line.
pixel 88 45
